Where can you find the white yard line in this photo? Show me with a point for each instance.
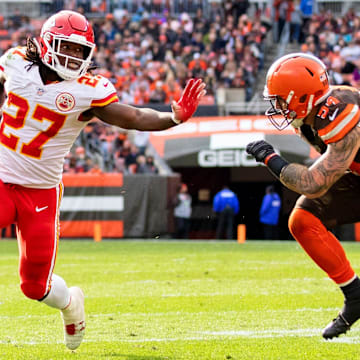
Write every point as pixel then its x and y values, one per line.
pixel 178 313
pixel 210 336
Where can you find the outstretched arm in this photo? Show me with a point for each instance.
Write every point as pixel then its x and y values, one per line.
pixel 130 117
pixel 316 180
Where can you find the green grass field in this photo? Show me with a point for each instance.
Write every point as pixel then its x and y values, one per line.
pixel 181 300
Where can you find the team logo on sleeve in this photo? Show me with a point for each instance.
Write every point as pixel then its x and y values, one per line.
pixel 65 102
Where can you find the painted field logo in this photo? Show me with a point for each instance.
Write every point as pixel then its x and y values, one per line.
pixel 65 102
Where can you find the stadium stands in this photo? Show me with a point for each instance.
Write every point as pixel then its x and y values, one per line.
pixel 150 48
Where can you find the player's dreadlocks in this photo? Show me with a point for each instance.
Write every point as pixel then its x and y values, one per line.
pixel 32 53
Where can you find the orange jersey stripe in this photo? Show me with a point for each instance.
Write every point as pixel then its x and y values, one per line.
pixel 344 130
pixel 346 120
pixel 106 101
pixel 337 120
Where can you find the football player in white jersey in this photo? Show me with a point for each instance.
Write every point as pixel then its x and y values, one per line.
pixel 50 96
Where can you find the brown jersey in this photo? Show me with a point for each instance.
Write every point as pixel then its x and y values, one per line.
pixel 338 114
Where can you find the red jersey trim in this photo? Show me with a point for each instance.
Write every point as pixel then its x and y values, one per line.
pixel 106 101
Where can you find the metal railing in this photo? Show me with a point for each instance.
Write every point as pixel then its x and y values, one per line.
pixel 228 104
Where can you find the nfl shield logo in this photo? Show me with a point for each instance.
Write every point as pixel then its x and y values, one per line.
pixel 40 91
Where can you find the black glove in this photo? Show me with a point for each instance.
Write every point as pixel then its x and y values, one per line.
pixel 260 150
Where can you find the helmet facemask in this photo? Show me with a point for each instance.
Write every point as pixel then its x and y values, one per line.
pixel 279 113
pixel 61 63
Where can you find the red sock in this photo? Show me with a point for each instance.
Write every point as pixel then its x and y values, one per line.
pixel 321 245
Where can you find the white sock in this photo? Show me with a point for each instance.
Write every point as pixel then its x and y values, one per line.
pixel 58 296
pixel 348 282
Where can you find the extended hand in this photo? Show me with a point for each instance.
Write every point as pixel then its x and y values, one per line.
pixel 184 109
pixel 260 150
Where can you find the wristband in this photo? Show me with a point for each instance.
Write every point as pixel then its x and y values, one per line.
pixel 176 121
pixel 275 163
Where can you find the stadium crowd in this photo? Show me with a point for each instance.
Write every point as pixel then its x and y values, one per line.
pixel 149 54
pixel 333 38
pixel 336 41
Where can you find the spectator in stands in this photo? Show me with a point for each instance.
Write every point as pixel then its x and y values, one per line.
pixel 80 164
pixel 197 44
pixel 296 21
pixel 239 8
pixel 197 66
pixel 130 158
pixel 230 67
pixel 269 213
pixel 151 167
pixel 17 19
pixel 142 95
pixel 119 164
pixel 106 153
pixel 172 90
pixel 158 95
pixel 226 206
pixel 141 141
pixel 182 212
pixel 145 165
pixel 351 52
pixel 93 167
pixel 118 141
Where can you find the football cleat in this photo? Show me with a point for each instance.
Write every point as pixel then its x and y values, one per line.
pixel 349 314
pixel 74 319
pixel 337 327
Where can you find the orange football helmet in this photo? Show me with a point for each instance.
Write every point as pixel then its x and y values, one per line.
pixel 301 82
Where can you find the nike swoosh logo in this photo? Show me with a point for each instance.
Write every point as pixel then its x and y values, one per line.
pixel 37 209
pixel 106 84
pixel 333 116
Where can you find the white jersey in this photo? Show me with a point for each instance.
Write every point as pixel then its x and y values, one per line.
pixel 41 122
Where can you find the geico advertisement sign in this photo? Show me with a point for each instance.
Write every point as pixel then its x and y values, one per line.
pixel 225 158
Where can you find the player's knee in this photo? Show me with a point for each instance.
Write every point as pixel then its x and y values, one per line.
pixel 32 289
pixel 301 221
pixel 295 223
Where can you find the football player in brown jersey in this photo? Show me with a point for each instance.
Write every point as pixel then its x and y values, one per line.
pixel 297 86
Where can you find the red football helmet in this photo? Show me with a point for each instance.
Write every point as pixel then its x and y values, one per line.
pixel 295 83
pixel 67 26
